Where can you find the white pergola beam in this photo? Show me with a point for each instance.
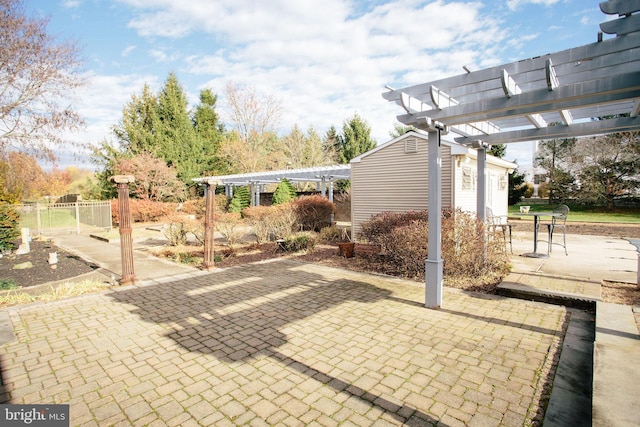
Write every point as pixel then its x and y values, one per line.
pixel 597 127
pixel 607 90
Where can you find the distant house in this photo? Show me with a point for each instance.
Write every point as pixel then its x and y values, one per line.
pixel 393 177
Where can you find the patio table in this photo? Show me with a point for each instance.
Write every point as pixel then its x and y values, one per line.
pixel 536 220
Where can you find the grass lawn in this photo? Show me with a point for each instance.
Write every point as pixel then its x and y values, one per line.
pixel 586 213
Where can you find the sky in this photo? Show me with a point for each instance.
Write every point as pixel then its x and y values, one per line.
pixel 323 60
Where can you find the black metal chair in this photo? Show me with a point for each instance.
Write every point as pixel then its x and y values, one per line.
pixel 501 222
pixel 558 221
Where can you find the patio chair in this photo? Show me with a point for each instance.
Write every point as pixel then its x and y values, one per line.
pixel 559 221
pixel 499 222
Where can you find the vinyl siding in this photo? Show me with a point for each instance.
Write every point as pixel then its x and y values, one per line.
pixel 392 180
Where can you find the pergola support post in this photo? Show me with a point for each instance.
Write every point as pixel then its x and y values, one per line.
pixel 434 263
pixel 481 201
pixel 124 219
pixel 209 224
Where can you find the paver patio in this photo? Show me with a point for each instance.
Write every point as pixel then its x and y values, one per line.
pixel 284 343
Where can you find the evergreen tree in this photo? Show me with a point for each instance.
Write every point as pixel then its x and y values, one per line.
pixel 137 131
pixel 498 150
pixel 331 143
pixel 284 192
pixel 241 199
pixel 517 187
pixel 355 139
pixel 209 132
pixel 178 144
pixel 399 129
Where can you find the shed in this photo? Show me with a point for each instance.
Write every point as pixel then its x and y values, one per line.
pixel 394 177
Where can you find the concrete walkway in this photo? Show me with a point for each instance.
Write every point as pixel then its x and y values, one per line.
pixel 597 373
pixel 286 343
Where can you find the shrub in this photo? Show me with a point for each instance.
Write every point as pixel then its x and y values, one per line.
pixel 197 206
pixel 8 284
pixel 144 210
pixel 241 199
pixel 404 239
pixel 176 230
pixel 284 193
pixel 379 226
pixel 334 234
pixel 230 226
pixel 303 241
pixel 9 226
pixel 313 212
pixel 271 222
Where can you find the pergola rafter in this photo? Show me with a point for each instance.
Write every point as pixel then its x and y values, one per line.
pixel 587 90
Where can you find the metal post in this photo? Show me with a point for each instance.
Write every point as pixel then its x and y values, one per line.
pixel 209 224
pixel 332 216
pixel 434 263
pixel 77 218
pixel 38 218
pixel 124 217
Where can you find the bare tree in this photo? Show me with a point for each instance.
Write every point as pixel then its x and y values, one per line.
pixel 37 75
pixel 252 114
pixel 154 179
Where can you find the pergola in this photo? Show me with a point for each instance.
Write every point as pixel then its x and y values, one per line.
pixel 559 95
pixel 323 176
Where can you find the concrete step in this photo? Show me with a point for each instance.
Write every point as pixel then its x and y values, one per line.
pixel 616 367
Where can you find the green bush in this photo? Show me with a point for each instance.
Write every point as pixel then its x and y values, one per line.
pixel 9 226
pixel 313 212
pixel 8 284
pixel 240 200
pixel 284 193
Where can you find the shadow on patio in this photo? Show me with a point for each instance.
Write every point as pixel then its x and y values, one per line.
pixel 293 331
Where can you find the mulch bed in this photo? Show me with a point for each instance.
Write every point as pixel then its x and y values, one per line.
pixel 68 266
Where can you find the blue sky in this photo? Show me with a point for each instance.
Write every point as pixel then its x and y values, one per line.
pixel 323 60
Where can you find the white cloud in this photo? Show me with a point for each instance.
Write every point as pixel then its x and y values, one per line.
pixel 71 4
pixel 127 50
pixel 514 4
pixel 325 59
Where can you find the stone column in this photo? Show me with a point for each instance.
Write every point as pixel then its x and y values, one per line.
pixel 209 224
pixel 124 217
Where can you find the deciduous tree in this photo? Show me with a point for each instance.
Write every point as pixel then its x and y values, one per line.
pixel 38 74
pixel 154 179
pixel 251 114
pixel 610 167
pixel 556 156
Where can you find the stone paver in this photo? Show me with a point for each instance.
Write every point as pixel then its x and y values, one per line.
pixel 284 343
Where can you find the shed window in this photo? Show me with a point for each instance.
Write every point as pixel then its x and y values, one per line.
pixel 411 145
